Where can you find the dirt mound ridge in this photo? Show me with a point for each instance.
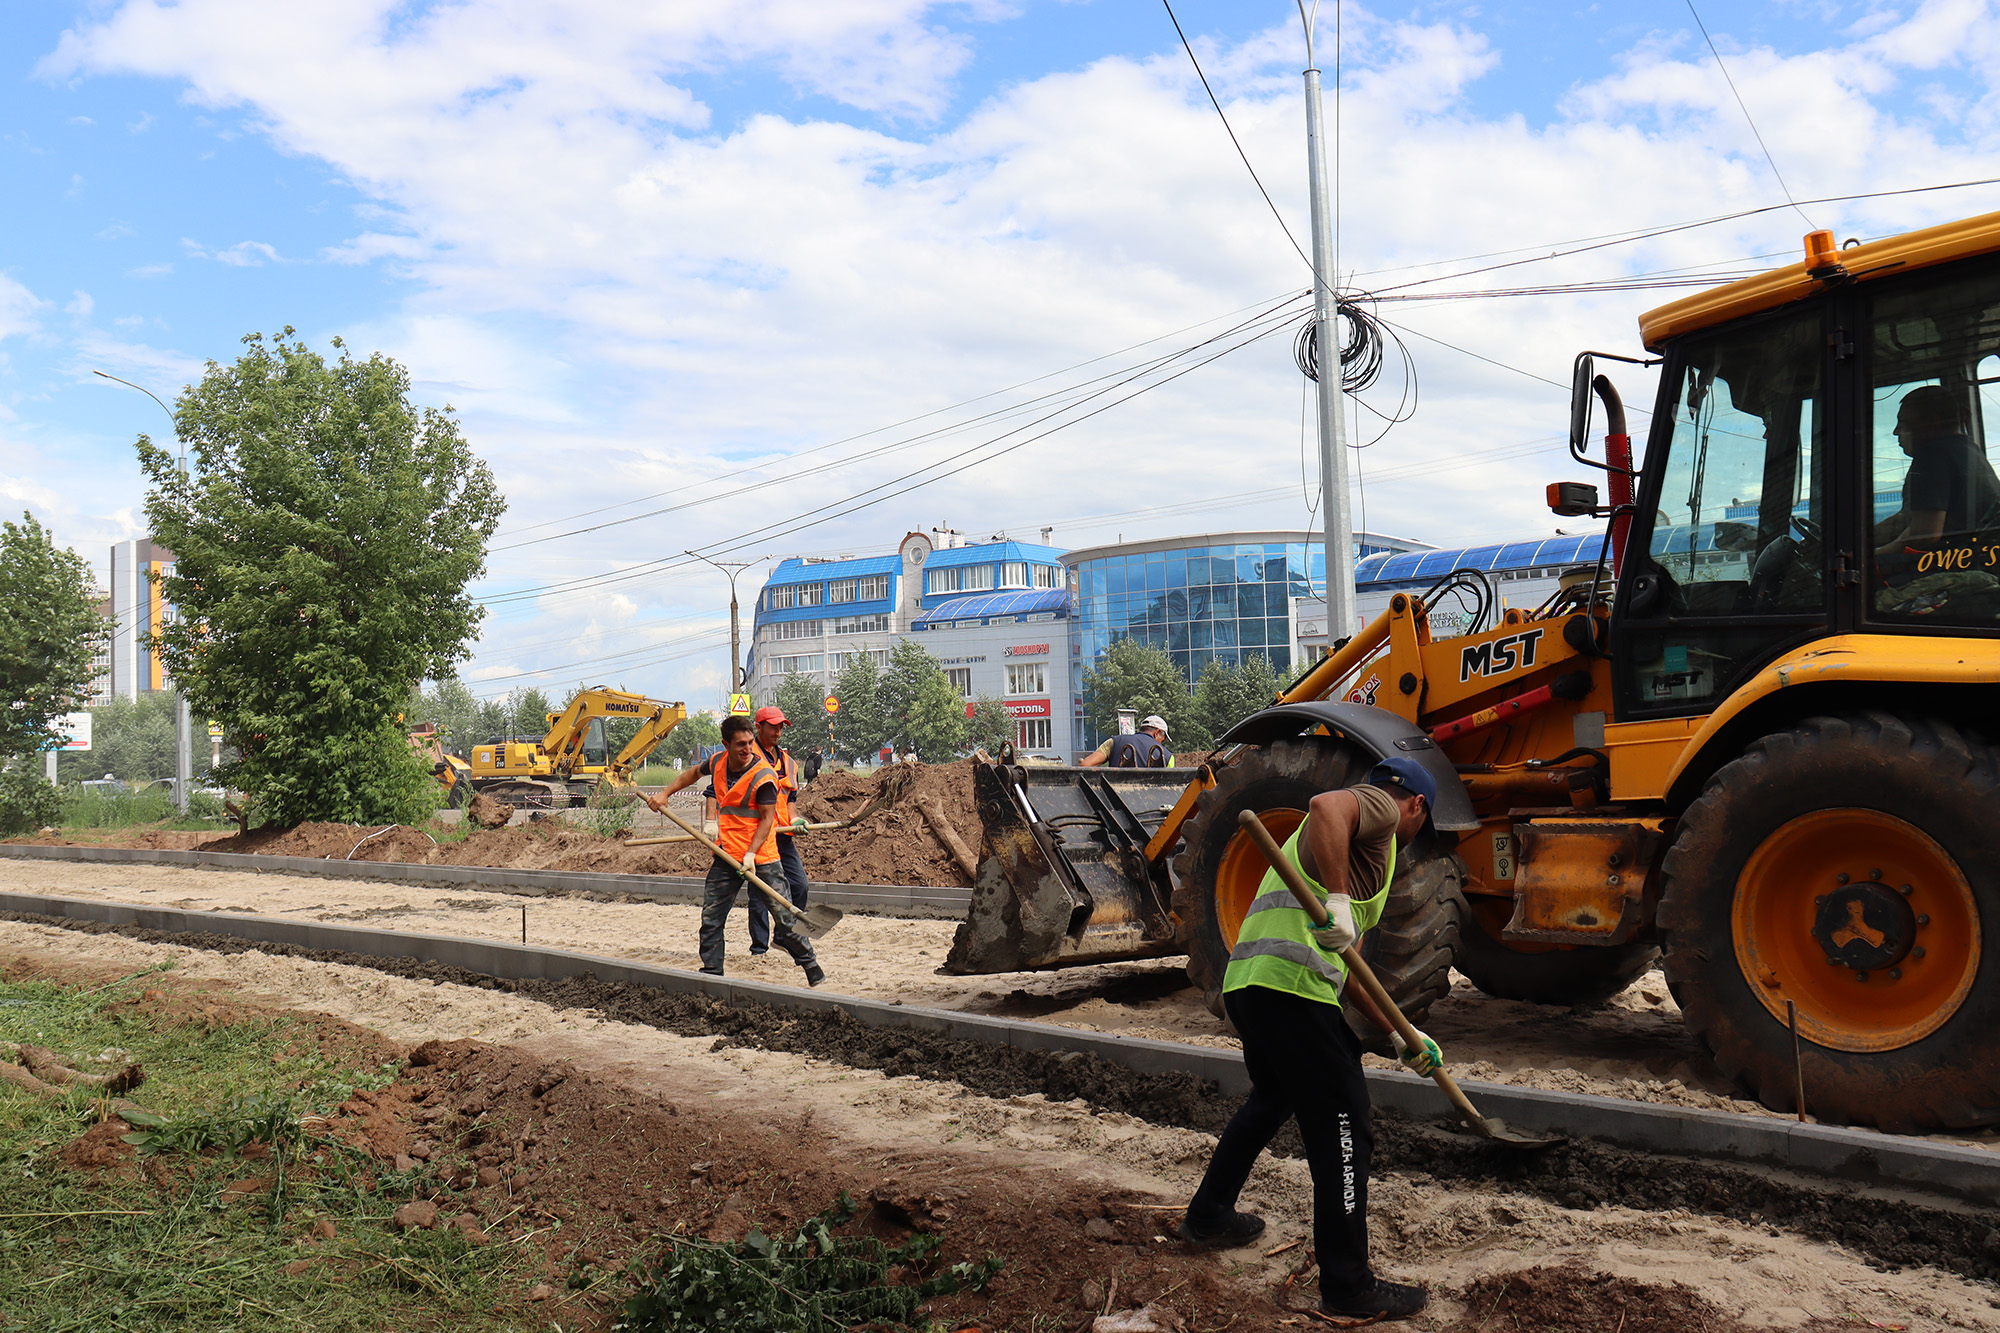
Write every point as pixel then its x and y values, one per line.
pixel 894 844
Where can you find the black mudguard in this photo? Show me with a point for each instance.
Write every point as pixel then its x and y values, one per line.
pixel 1376 730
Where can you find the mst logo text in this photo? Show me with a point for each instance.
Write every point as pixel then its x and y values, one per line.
pixel 1497 657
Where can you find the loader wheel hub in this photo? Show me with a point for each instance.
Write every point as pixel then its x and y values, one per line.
pixel 1861 920
pixel 1241 873
pixel 1868 927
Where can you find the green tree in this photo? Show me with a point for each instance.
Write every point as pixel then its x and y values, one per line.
pixel 133 739
pixel 455 710
pixel 918 706
pixel 1144 679
pixel 325 538
pixel 699 729
pixel 858 729
pixel 989 727
pixel 49 628
pixel 802 701
pixel 1228 693
pixel 527 714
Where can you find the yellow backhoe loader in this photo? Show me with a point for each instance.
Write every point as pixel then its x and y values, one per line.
pixel 573 761
pixel 1753 743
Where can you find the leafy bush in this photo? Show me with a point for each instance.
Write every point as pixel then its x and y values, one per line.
pixel 813 1282
pixel 27 802
pixel 606 813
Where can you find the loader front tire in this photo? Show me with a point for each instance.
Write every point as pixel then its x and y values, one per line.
pixel 1218 869
pixel 1851 866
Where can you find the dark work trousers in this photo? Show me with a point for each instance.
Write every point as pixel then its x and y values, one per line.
pixel 794 888
pixel 719 895
pixel 1303 1062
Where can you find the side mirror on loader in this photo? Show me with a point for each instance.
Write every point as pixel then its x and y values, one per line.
pixel 1579 404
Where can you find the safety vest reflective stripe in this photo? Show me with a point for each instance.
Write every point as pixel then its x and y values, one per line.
pixel 1305 955
pixel 1267 902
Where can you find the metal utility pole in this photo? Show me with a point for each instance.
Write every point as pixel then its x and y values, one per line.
pixel 732 568
pixel 1332 400
pixel 183 724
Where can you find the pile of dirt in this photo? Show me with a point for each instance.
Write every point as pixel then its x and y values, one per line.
pixel 895 844
pixel 512 1142
pixel 1576 1300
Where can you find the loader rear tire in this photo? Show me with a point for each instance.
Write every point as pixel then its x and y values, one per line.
pixel 1850 865
pixel 1548 973
pixel 1218 869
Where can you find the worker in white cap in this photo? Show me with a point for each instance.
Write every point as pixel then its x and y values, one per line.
pixel 1148 748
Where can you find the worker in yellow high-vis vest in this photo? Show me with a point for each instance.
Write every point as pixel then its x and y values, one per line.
pixel 1283 989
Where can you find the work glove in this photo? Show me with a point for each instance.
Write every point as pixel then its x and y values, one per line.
pixel 711 829
pixel 1338 932
pixel 799 824
pixel 1424 1058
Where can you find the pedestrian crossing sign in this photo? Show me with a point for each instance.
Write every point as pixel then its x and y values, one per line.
pixel 739 704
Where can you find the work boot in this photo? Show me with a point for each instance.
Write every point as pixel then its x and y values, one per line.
pixel 1240 1229
pixel 1383 1300
pixel 815 974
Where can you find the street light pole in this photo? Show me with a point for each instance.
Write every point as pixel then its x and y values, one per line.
pixel 732 568
pixel 183 724
pixel 1332 399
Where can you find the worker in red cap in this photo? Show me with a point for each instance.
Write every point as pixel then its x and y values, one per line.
pixel 771 722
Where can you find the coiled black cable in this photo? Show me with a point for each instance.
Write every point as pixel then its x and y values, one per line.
pixel 1363 353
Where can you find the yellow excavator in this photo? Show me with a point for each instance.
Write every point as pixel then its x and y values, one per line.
pixel 573 761
pixel 1755 743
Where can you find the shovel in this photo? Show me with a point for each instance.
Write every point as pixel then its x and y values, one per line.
pixel 1485 1126
pixel 682 837
pixel 816 919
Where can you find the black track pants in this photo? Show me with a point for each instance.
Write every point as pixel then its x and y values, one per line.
pixel 1303 1061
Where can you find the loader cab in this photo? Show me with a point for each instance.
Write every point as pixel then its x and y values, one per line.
pixel 1817 468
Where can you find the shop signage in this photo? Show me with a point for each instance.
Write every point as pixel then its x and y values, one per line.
pixel 961 661
pixel 1026 650
pixel 1028 708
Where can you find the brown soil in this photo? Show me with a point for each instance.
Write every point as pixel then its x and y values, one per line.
pixel 1576 1300
pixel 893 845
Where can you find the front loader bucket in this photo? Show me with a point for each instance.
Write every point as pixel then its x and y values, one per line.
pixel 1063 878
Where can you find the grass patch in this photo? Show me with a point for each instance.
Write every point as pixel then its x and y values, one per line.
pixel 92 809
pixel 210 1225
pixel 655 775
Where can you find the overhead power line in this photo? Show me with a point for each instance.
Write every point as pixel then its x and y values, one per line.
pixel 1744 108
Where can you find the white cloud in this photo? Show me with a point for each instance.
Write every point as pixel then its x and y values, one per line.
pixel 18 308
pixel 623 300
pixel 248 254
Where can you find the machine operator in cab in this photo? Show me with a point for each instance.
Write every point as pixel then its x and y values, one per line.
pixel 747 803
pixel 771 722
pixel 1283 989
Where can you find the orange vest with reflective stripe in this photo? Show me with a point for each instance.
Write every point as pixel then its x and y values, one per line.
pixel 737 812
pixel 788 782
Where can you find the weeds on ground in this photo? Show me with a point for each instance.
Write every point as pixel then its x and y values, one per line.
pixel 84 808
pixel 606 814
pixel 811 1282
pixel 211 1228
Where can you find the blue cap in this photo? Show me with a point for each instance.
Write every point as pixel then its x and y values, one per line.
pixel 1406 775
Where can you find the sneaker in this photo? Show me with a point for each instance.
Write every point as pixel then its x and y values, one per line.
pixel 815 974
pixel 1384 1300
pixel 1240 1229
pixel 758 953
pixel 711 971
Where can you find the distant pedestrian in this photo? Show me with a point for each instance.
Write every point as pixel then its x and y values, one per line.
pixel 812 765
pixel 747 817
pixel 1148 748
pixel 771 723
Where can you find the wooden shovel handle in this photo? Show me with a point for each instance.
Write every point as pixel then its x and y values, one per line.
pixel 782 904
pixel 1357 967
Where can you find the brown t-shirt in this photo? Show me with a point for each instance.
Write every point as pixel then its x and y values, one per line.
pixel 1368 851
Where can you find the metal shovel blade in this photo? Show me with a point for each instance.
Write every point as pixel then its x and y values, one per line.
pixel 1494 1128
pixel 816 919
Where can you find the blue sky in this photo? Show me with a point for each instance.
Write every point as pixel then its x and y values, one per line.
pixel 639 247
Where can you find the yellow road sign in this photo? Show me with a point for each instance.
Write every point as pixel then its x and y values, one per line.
pixel 740 704
pixel 832 703
pixel 215 731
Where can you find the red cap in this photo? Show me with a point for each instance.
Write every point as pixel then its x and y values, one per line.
pixel 774 715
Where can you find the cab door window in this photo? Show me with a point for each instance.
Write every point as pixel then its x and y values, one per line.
pixel 1733 547
pixel 1935 378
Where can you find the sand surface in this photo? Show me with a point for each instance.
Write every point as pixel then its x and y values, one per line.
pixel 1633 1047
pixel 1419 1232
